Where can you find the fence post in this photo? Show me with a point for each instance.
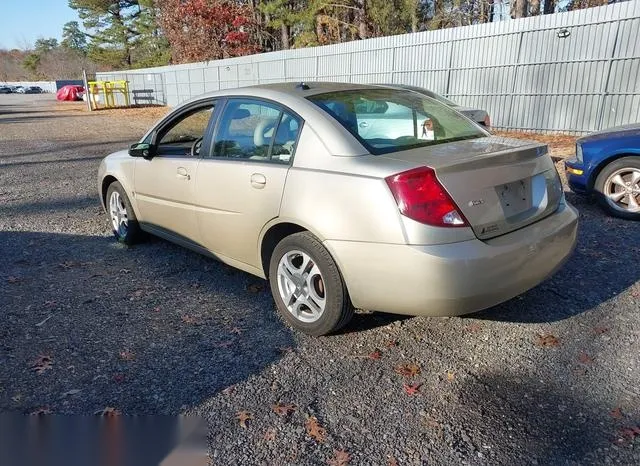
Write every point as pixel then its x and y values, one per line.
pixel 604 93
pixel 449 67
pixel 85 82
pixel 515 80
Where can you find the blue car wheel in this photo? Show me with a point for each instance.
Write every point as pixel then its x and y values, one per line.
pixel 618 188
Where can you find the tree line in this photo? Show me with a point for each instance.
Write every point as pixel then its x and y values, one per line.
pixel 125 34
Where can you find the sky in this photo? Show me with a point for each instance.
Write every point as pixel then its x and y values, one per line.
pixel 24 21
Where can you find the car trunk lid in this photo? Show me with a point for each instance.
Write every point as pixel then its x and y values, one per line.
pixel 499 184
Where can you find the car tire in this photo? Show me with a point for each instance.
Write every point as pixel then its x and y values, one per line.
pixel 120 212
pixel 607 190
pixel 303 273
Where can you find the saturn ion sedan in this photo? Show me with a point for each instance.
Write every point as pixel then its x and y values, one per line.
pixel 346 196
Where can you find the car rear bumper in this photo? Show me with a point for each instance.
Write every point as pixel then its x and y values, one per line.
pixel 457 278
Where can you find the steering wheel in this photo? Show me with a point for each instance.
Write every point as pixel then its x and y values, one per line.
pixel 195 148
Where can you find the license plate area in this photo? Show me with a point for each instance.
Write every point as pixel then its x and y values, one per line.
pixel 515 197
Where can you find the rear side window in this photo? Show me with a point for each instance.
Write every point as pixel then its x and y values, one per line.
pixel 256 130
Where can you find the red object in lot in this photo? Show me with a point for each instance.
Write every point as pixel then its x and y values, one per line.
pixel 70 92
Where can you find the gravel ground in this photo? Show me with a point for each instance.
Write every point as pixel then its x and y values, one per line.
pixel 550 377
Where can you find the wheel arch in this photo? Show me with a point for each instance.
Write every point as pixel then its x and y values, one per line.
pixel 106 182
pixel 271 236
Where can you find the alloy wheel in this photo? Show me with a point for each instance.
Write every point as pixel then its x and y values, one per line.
pixel 118 212
pixel 622 190
pixel 301 286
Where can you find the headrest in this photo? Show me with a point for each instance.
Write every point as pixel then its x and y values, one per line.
pixel 241 113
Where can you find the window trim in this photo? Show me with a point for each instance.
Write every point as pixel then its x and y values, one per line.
pixel 283 109
pixel 152 137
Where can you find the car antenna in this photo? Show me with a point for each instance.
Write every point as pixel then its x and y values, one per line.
pixel 303 86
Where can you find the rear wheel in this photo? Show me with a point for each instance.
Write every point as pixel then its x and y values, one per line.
pixel 123 219
pixel 307 286
pixel 618 188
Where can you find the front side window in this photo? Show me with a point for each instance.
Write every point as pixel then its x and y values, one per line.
pixel 256 130
pixel 389 120
pixel 184 135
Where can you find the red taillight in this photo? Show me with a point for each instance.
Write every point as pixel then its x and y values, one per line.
pixel 487 121
pixel 421 197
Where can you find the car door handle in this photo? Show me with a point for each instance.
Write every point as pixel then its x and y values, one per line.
pixel 258 180
pixel 364 124
pixel 182 174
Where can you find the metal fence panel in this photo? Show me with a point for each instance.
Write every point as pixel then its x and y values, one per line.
pixel 575 72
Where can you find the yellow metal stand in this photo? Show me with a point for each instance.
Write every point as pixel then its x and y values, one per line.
pixel 109 89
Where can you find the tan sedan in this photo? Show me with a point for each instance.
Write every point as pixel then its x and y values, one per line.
pixel 346 196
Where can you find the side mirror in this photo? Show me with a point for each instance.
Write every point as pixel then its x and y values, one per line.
pixel 141 149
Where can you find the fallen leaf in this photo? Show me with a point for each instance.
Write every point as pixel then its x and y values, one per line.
pixel 580 371
pixel 474 328
pixel 412 389
pixel 13 280
pixel 237 330
pixel 628 434
pixel 600 330
pixel 49 303
pixel 616 413
pixel 255 287
pixel 315 430
pixel 40 411
pixel 229 389
pixel 270 434
pixel 243 417
pixel 285 349
pixel 584 358
pixel 42 363
pixel 191 320
pixel 547 341
pixel 408 370
pixel 68 264
pixel 127 355
pixel 375 355
pixel 108 412
pixel 282 409
pixel 393 461
pixel 118 378
pixel 156 309
pixel 340 458
pixel 74 391
pixel 391 344
pixel 431 422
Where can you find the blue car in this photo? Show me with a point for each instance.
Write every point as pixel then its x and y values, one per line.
pixel 607 164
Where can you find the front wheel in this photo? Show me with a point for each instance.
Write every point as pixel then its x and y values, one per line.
pixel 307 286
pixel 618 188
pixel 123 219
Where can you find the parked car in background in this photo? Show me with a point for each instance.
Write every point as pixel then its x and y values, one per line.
pixel 283 182
pixel 33 90
pixel 19 90
pixel 478 115
pixel 607 165
pixel 5 90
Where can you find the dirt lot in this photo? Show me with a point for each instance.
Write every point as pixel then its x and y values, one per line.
pixel 550 377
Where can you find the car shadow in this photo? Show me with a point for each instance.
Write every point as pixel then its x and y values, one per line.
pixel 520 413
pixel 148 329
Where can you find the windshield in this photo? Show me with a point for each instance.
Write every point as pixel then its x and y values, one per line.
pixel 389 120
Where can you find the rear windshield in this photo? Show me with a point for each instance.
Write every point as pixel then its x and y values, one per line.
pixel 390 120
